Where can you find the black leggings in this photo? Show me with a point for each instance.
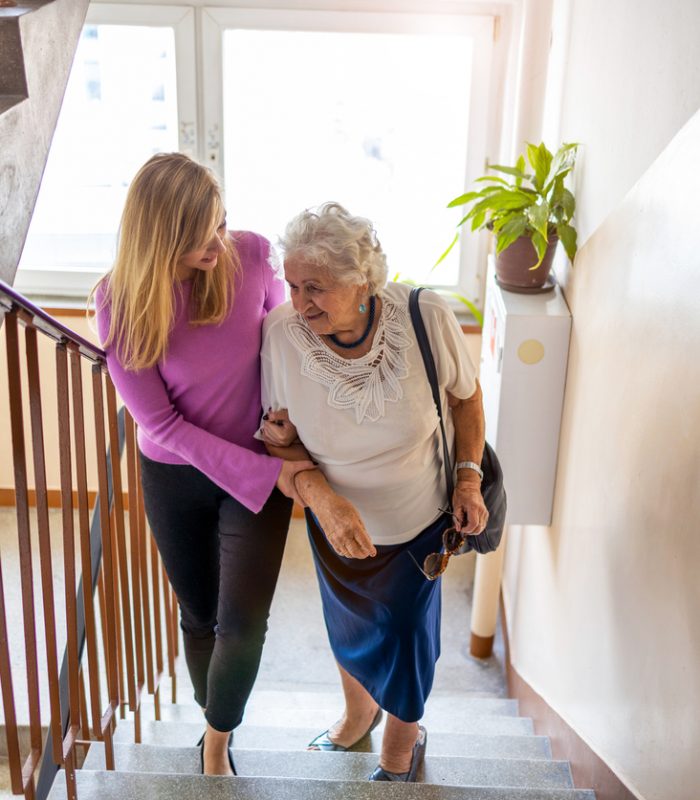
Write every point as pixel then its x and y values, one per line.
pixel 222 561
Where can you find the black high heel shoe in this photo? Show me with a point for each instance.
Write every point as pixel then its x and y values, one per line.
pixel 200 744
pixel 417 758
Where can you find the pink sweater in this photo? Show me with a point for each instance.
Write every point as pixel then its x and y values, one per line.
pixel 200 405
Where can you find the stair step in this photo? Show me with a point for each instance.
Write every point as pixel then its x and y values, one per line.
pixel 262 738
pixel 314 708
pixel 440 770
pixel 121 785
pixel 171 733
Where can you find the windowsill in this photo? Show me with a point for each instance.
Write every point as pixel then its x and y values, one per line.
pixel 73 306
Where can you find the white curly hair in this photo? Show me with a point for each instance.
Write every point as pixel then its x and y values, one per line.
pixel 344 245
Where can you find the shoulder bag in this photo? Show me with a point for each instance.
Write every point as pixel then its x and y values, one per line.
pixel 492 489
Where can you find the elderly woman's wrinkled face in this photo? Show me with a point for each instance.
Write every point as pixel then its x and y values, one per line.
pixel 328 307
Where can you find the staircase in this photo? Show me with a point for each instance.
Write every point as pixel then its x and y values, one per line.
pixel 478 746
pixel 478 749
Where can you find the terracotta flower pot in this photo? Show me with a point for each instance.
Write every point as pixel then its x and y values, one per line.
pixel 513 264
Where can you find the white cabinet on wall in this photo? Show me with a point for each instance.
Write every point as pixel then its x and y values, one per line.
pixel 524 353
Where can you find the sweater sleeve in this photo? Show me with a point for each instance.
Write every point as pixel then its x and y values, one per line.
pixel 249 477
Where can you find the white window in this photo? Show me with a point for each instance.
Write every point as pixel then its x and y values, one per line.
pixel 387 113
pixel 122 104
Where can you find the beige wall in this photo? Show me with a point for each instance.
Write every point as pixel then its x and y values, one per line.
pixel 47 368
pixel 603 607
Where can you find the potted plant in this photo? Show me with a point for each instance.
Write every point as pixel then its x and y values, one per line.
pixel 528 214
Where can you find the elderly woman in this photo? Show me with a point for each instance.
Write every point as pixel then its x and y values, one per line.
pixel 342 374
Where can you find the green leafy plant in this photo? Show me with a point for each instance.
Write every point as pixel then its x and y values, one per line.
pixel 533 203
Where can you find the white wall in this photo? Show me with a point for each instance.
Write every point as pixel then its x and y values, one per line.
pixel 631 81
pixel 603 607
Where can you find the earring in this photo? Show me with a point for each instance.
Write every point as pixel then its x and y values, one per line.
pixel 363 308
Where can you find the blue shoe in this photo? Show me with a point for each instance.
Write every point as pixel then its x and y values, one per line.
pixel 417 759
pixel 325 743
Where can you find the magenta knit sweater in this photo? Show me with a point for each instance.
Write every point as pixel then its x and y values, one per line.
pixel 200 405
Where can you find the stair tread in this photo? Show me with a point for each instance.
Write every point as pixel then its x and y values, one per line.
pixel 449 770
pixel 490 724
pixel 123 786
pixel 307 710
pixel 267 738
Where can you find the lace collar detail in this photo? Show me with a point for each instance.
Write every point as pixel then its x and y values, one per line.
pixel 363 384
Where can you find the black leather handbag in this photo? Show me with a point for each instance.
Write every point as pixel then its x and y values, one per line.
pixel 492 489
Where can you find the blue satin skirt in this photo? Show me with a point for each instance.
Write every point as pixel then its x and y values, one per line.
pixel 383 616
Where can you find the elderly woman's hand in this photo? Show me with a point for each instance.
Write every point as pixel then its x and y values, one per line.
pixel 469 510
pixel 343 527
pixel 277 430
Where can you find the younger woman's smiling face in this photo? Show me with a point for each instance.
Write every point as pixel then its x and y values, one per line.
pixel 327 306
pixel 205 257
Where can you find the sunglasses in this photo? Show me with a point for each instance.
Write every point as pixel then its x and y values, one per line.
pixel 435 564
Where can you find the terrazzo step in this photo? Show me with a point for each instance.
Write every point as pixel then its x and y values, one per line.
pixel 440 770
pixel 170 733
pixel 165 734
pixel 130 785
pixel 310 709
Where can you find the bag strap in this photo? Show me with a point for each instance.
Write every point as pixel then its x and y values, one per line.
pixel 431 372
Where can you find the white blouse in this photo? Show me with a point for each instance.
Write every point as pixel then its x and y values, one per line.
pixel 370 422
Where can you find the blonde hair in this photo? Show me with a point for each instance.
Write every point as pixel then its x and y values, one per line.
pixel 346 246
pixel 173 206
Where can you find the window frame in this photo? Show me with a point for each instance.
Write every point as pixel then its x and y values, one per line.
pixel 77 282
pixel 199 30
pixel 481 26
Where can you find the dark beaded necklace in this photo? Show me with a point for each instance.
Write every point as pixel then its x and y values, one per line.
pixel 358 342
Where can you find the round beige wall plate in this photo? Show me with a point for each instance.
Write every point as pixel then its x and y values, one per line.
pixel 531 351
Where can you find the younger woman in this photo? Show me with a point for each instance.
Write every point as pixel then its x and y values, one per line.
pixel 180 315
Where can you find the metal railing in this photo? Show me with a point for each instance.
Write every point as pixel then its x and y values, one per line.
pixel 114 651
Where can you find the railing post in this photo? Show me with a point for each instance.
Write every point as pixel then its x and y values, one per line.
pixel 89 564
pixel 42 512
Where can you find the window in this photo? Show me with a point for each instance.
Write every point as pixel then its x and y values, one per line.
pixel 387 113
pixel 120 107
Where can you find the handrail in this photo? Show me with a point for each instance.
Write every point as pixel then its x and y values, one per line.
pixel 127 575
pixel 10 298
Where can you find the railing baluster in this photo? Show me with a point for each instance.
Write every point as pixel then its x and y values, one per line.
pixel 109 632
pixel 42 512
pixel 85 544
pixel 135 561
pixel 127 638
pixel 84 719
pixel 152 681
pixel 73 662
pixel 25 555
pixel 157 618
pixel 8 698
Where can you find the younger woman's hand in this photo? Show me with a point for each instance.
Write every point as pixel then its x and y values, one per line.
pixel 286 479
pixel 277 430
